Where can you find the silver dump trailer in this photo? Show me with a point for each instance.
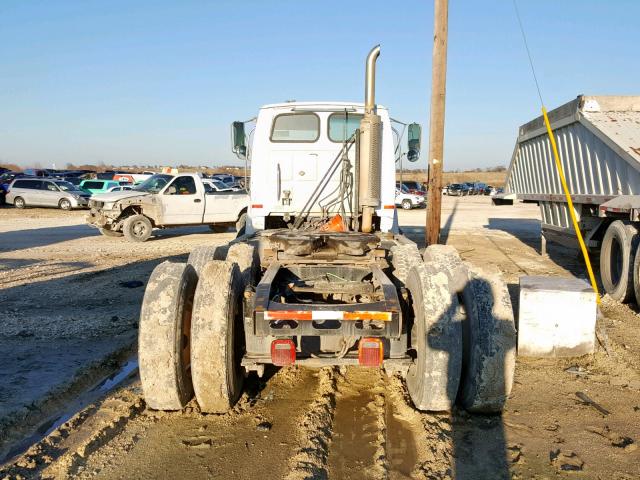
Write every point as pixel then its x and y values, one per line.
pixel 598 141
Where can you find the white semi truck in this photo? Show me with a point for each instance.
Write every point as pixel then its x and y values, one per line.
pixel 323 277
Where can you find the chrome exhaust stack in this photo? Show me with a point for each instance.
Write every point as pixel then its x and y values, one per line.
pixel 370 148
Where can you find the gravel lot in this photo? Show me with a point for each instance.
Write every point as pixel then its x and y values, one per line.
pixel 69 302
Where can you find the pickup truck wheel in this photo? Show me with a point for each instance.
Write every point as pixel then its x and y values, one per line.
pixel 434 376
pixel 216 336
pixel 200 256
pixel 407 205
pixel 489 338
pixel 164 336
pixel 619 246
pixel 109 233
pixel 19 202
pixel 241 225
pixel 64 204
pixel 137 228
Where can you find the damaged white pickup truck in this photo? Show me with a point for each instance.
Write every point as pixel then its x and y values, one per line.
pixel 163 201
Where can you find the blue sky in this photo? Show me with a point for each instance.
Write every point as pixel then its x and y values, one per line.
pixel 158 82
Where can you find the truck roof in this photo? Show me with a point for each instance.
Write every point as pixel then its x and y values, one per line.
pixel 319 105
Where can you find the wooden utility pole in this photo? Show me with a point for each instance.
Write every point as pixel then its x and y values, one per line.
pixel 436 124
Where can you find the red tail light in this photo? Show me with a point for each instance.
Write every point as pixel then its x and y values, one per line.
pixel 370 352
pixel 283 352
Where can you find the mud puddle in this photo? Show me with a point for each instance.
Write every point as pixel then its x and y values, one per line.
pixel 52 423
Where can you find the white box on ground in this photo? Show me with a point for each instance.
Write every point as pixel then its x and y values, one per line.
pixel 557 317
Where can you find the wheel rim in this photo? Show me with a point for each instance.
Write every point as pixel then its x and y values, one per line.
pixel 406 205
pixel 65 205
pixel 19 203
pixel 139 229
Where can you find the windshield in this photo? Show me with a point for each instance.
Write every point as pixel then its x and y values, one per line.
pixel 67 187
pixel 154 184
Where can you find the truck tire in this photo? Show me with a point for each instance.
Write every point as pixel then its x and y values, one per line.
pixel 434 376
pixel 403 257
pixel 241 224
pixel 246 257
pixel 407 205
pixel 137 228
pixel 617 254
pixel 216 337
pixel 447 259
pixel 489 343
pixel 164 336
pixel 110 233
pixel 19 202
pixel 636 275
pixel 200 256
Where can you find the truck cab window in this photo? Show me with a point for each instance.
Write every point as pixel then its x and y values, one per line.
pixel 343 125
pixel 182 186
pixel 295 127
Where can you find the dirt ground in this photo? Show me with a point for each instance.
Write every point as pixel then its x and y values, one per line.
pixel 69 320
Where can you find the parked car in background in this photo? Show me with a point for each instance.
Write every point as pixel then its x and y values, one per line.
pixel 121 188
pixel 35 172
pixel 27 192
pixel 132 178
pixel 413 187
pixel 166 200
pixel 409 200
pixel 98 186
pixel 458 189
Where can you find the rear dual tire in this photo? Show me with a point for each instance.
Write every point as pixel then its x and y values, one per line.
pixel 618 261
pixel 464 335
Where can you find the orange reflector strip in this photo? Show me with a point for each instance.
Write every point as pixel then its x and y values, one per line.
pixel 370 352
pixel 389 207
pixel 257 205
pixel 383 316
pixel 301 315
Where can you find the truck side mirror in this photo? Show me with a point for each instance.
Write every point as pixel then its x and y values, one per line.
pixel 414 133
pixel 239 139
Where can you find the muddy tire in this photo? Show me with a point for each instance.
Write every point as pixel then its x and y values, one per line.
pixel 403 257
pixel 19 202
pixel 164 336
pixel 617 253
pixel 636 275
pixel 137 228
pixel 241 225
pixel 109 233
pixel 245 255
pixel 489 338
pixel 216 337
pixel 447 259
pixel 200 256
pixel 434 377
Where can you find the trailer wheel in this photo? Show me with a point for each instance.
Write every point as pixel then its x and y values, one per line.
pixel 200 256
pixel 217 349
pixel 245 256
pixel 164 336
pixel 434 376
pixel 489 338
pixel 403 257
pixel 617 258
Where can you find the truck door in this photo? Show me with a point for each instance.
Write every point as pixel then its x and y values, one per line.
pixel 182 202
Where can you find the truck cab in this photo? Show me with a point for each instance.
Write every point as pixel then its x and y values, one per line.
pixel 294 145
